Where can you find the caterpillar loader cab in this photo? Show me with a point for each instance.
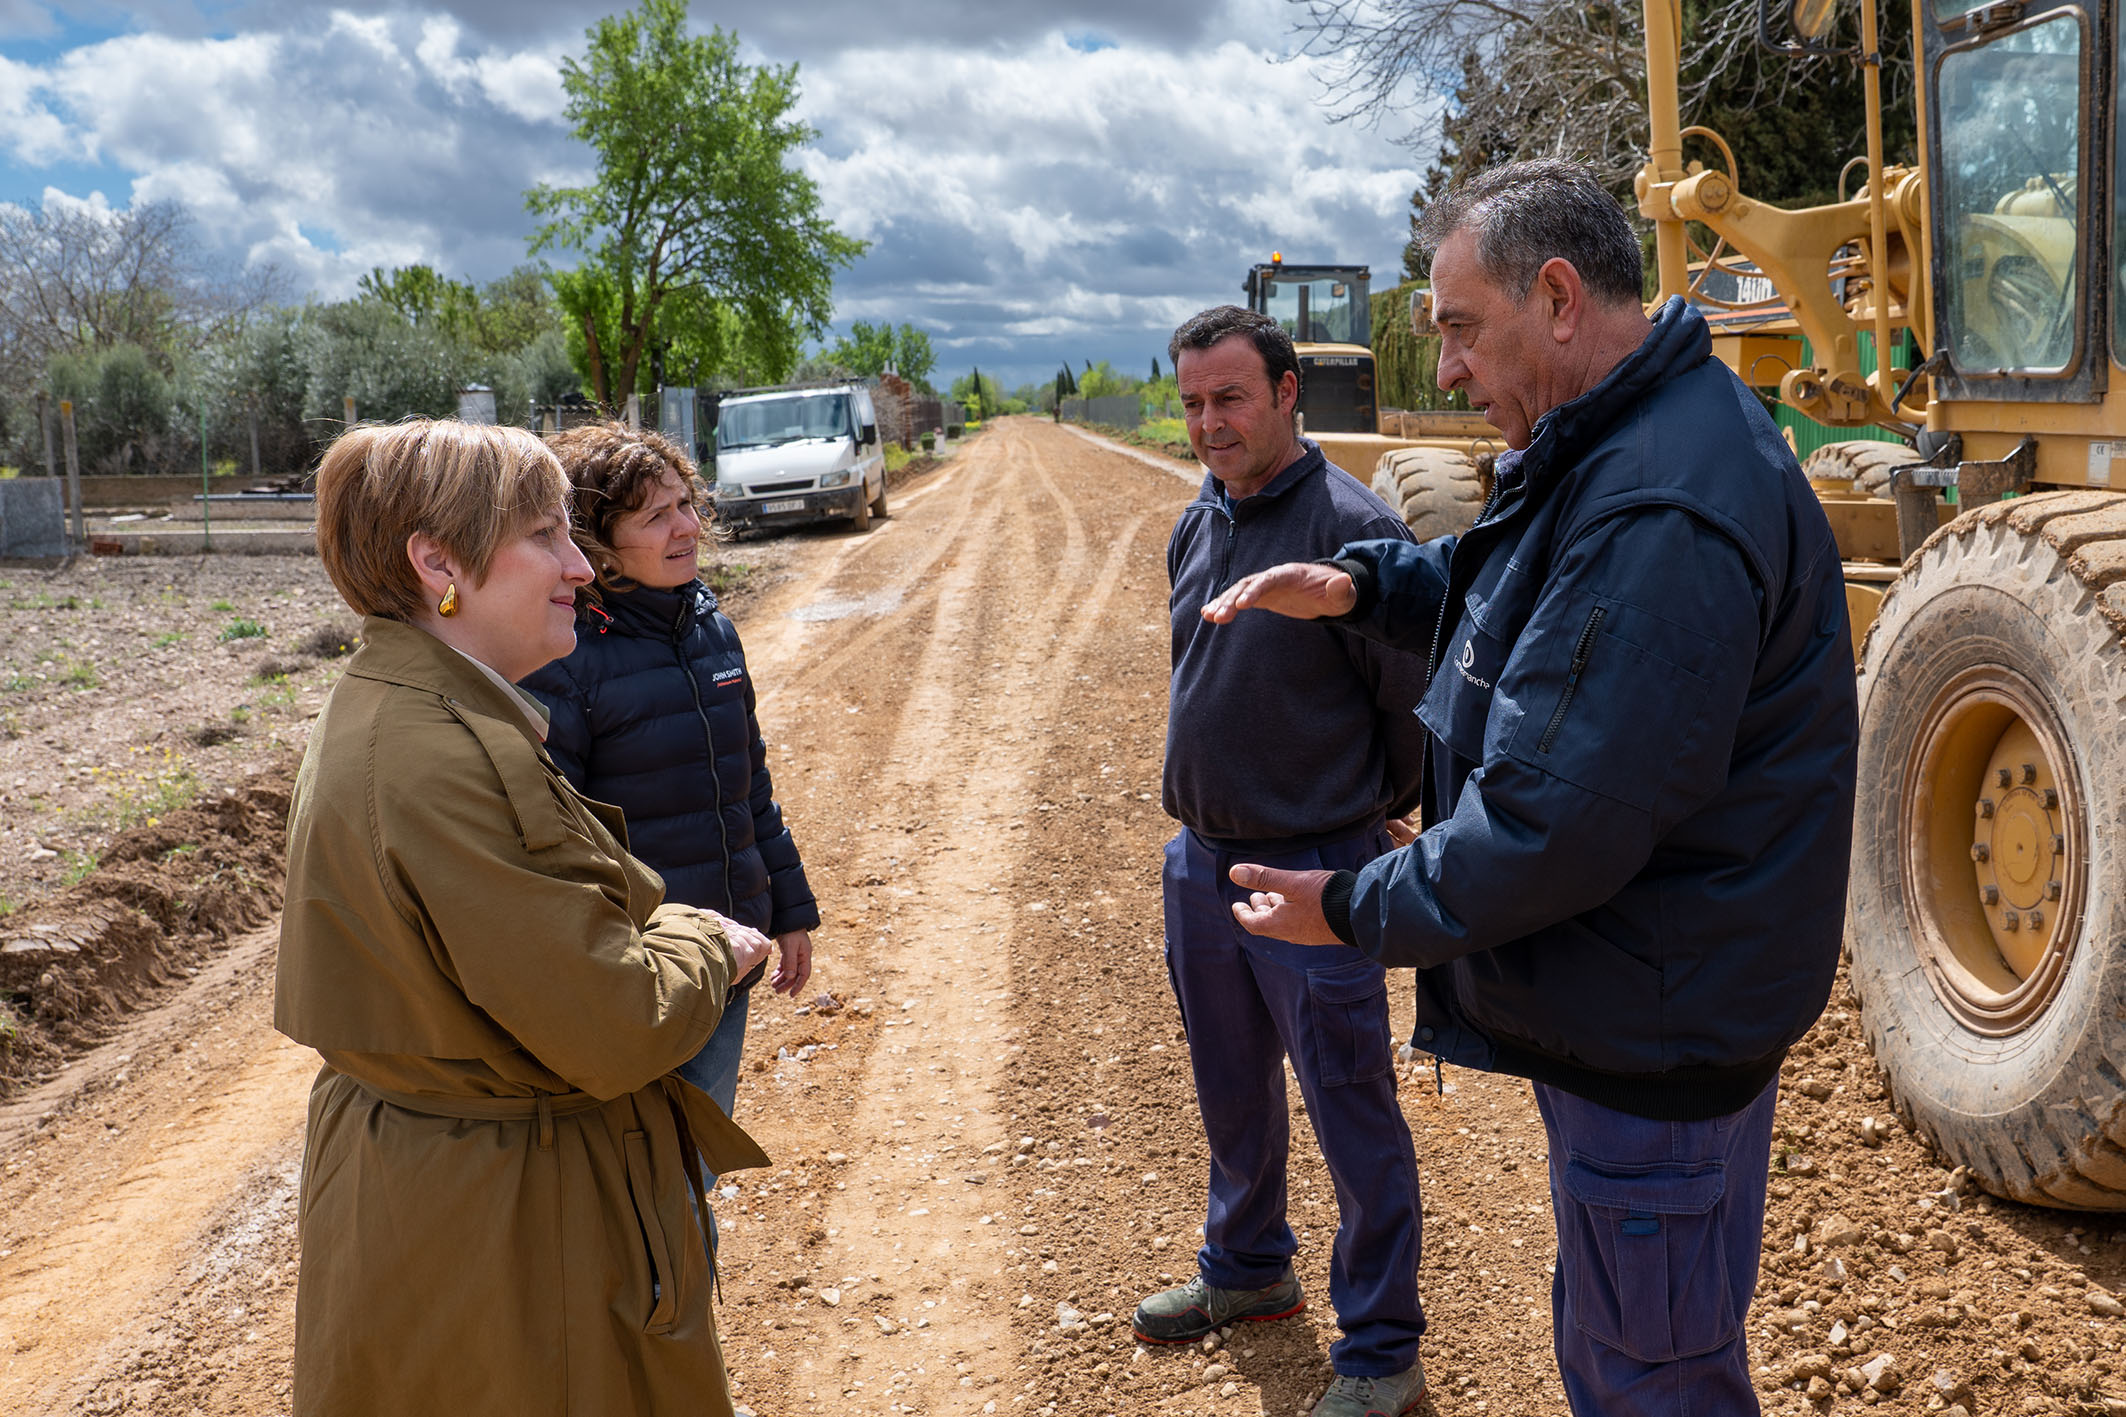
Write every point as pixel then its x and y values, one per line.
pixel 1328 312
pixel 1985 547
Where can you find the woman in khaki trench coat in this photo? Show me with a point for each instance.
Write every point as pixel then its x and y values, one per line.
pixel 500 1184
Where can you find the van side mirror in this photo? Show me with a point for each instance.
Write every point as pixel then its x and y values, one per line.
pixel 868 434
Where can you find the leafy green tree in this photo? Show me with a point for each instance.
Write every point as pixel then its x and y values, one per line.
pixel 1101 381
pixel 256 380
pixel 516 311
pixel 870 350
pixel 697 210
pixel 422 296
pixel 129 416
pixel 982 395
pixel 391 365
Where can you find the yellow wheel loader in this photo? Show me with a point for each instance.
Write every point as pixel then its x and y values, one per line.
pixel 1431 466
pixel 1987 914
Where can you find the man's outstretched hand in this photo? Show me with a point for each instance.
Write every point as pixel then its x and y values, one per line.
pixel 1284 905
pixel 1300 589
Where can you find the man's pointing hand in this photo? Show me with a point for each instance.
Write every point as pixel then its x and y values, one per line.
pixel 1300 589
pixel 1284 905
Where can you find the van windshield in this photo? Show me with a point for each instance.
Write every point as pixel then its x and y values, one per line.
pixel 760 423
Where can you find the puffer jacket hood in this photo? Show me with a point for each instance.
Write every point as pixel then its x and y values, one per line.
pixel 654 713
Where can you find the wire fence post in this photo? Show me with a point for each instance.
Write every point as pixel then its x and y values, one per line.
pixel 44 426
pixel 348 405
pixel 73 470
pixel 206 487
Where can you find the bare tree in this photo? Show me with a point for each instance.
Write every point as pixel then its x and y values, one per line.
pixel 75 279
pixel 1527 78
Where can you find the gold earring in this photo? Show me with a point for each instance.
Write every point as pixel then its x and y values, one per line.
pixel 448 605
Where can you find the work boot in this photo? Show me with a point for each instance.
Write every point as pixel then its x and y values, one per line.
pixel 1390 1396
pixel 1187 1313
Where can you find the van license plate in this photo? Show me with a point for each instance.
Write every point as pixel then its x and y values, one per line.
pixel 795 504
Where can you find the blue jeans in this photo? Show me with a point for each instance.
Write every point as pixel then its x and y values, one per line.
pixel 715 1071
pixel 1246 1004
pixel 1660 1226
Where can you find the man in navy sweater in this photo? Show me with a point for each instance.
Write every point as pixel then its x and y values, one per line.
pixel 1304 768
pixel 1631 884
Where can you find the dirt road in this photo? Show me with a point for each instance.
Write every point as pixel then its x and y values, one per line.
pixel 985 1145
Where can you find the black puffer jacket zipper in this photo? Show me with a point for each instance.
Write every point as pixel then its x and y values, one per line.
pixel 708 735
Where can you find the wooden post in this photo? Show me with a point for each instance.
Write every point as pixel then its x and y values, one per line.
pixel 634 413
pixel 44 425
pixel 253 420
pixel 348 404
pixel 73 471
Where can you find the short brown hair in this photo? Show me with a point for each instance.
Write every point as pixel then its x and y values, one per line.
pixel 613 469
pixel 470 486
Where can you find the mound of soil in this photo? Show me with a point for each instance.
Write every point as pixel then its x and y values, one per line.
pixel 165 897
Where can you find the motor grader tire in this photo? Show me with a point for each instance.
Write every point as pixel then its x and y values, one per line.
pixel 1439 491
pixel 1864 463
pixel 1986 915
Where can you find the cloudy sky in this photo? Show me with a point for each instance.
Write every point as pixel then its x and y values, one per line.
pixel 1035 184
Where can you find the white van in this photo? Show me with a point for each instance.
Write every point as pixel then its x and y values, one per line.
pixel 788 455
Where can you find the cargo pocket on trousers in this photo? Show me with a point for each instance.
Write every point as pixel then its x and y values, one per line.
pixel 664 1275
pixel 1651 1278
pixel 1350 1009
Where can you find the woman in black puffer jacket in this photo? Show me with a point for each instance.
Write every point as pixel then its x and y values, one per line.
pixel 653 713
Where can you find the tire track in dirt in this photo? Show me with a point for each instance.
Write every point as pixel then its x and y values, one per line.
pixel 933 1090
pixel 142 1180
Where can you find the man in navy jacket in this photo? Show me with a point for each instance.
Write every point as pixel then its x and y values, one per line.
pixel 1630 887
pixel 1303 770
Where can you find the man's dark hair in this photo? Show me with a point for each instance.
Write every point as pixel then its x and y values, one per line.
pixel 1527 213
pixel 1221 322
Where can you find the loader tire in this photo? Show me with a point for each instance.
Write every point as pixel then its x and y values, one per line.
pixel 1439 491
pixel 1864 463
pixel 1986 915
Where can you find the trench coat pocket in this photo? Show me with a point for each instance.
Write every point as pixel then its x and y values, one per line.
pixel 664 1274
pixel 1650 1276
pixel 1350 1023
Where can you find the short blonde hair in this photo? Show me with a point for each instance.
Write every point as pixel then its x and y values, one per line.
pixel 469 486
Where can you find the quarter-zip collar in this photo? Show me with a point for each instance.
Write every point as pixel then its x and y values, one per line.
pixel 1309 462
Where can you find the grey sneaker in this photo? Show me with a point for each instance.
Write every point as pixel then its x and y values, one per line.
pixel 1187 1313
pixel 1391 1396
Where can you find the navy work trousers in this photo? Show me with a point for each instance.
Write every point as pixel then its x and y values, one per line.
pixel 1660 1225
pixel 1246 1004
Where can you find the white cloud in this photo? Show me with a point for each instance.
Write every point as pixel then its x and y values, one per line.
pixel 1023 198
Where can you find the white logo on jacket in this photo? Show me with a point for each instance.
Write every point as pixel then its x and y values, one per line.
pixel 1469 658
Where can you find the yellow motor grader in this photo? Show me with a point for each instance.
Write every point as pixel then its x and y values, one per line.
pixel 1985 548
pixel 1986 919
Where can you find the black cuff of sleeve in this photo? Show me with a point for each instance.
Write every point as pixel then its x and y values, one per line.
pixel 1362 581
pixel 1336 905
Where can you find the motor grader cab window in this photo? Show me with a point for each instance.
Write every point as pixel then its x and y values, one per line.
pixel 1314 307
pixel 2011 147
